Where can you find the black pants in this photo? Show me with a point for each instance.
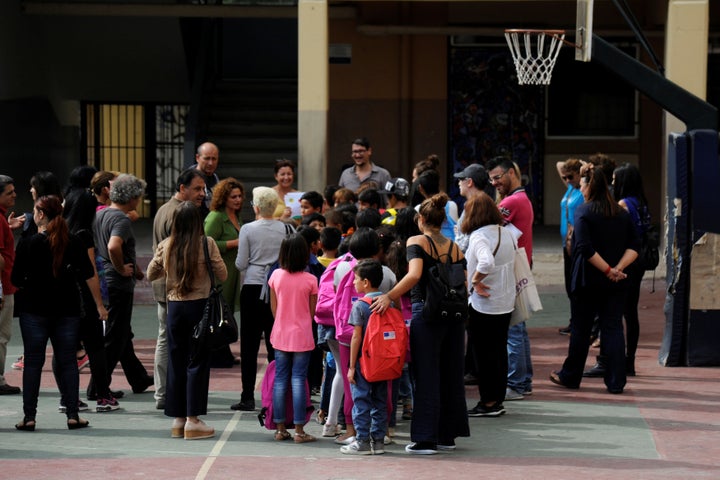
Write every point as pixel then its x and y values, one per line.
pixel 488 335
pixel 256 319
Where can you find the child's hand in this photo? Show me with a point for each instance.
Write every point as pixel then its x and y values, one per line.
pixel 351 375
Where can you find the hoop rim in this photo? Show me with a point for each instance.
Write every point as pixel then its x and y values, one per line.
pixel 535 30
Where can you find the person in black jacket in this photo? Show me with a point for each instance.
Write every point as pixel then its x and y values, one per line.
pixel 605 243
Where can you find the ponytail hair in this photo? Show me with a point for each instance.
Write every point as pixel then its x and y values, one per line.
pixel 56 229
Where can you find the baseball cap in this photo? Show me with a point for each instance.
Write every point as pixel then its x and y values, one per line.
pixel 477 173
pixel 397 186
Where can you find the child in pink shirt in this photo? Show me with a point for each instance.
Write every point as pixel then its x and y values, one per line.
pixel 293 295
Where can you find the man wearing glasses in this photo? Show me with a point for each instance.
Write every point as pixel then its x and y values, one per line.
pixel 364 169
pixel 517 210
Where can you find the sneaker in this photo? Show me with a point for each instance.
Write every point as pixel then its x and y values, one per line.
pixel 387 440
pixel 446 446
pixel 357 447
pixel 244 405
pixel 470 379
pixel 20 364
pixel 83 362
pixel 481 410
pixel 345 439
pixel 421 448
pixel 331 430
pixel 378 447
pixel 107 405
pixel 82 407
pixel 511 394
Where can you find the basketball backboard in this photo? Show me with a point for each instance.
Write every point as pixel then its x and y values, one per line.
pixel 583 30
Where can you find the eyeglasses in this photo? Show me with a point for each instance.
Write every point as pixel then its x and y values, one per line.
pixel 359 152
pixel 498 177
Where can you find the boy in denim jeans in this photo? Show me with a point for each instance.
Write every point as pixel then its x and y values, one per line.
pixel 370 398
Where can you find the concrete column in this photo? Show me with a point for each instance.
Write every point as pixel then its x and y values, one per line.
pixel 313 94
pixel 686 50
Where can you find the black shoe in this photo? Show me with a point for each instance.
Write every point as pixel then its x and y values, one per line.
pixel 630 366
pixel 9 390
pixel 481 410
pixel 244 405
pixel 143 385
pixel 564 331
pixel 421 448
pixel 470 379
pixel 597 371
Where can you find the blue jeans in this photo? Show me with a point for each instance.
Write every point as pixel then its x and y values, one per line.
pixel 63 333
pixel 369 407
pixel 291 368
pixel 520 371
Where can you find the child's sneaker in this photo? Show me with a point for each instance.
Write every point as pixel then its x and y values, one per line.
pixel 331 430
pixel 357 447
pixel 20 364
pixel 107 405
pixel 82 407
pixel 378 446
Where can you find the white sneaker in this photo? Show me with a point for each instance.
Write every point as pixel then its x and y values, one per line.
pixel 345 441
pixel 357 448
pixel 331 430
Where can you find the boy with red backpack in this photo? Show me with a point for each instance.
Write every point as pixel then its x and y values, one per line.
pixel 369 398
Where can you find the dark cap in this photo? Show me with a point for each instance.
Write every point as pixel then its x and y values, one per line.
pixel 477 173
pixel 398 187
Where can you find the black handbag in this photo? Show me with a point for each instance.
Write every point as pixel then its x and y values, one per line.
pixel 217 328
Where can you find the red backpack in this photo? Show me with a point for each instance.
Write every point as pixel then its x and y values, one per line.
pixel 326 292
pixel 385 345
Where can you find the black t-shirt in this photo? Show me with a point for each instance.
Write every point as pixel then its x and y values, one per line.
pixel 41 293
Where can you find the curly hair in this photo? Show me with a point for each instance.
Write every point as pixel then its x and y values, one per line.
pixel 125 188
pixel 222 192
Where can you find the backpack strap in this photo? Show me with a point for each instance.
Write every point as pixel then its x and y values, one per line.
pixel 367 300
pixel 498 244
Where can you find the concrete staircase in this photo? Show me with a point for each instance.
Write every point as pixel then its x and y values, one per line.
pixel 253 122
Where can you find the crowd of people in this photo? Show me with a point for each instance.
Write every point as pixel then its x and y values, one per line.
pixel 293 281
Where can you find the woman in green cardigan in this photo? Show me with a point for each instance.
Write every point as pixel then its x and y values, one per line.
pixel 223 225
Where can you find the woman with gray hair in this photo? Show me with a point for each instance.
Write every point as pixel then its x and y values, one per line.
pixel 258 249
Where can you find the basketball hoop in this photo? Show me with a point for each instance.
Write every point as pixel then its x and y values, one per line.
pixel 534 65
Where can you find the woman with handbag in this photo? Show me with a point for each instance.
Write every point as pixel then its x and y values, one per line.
pixel 437 341
pixel 606 243
pixel 181 259
pixel 491 279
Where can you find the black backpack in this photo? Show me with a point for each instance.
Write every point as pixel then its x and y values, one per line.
pixel 446 296
pixel 649 254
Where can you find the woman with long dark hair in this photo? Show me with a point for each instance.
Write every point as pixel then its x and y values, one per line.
pixel 605 243
pixel 48 268
pixel 181 259
pixel 628 188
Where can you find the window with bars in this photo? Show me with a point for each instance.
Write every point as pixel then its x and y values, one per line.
pixel 145 140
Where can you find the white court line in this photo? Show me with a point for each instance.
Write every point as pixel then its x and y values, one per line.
pixel 215 452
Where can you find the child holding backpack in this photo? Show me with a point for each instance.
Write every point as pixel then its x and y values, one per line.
pixel 293 295
pixel 369 398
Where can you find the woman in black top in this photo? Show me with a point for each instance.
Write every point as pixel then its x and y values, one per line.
pixel 440 411
pixel 605 243
pixel 48 267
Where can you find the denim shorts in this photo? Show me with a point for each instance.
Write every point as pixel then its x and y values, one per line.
pixel 325 333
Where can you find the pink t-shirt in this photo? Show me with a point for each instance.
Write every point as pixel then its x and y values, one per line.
pixel 517 209
pixel 292 330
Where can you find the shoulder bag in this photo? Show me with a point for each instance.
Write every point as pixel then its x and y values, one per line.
pixel 217 327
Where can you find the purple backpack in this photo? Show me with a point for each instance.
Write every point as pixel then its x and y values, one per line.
pixel 266 412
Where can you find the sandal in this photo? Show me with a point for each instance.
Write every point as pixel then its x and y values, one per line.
pixel 555 378
pixel 27 425
pixel 304 438
pixel 282 435
pixel 73 423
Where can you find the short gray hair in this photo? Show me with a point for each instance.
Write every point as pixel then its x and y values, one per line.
pixel 266 200
pixel 125 188
pixel 5 181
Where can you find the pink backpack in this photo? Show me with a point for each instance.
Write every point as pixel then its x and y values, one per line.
pixel 266 412
pixel 326 292
pixel 345 296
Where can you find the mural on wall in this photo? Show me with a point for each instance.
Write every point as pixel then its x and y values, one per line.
pixel 491 115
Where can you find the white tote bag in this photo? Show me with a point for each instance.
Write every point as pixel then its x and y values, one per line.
pixel 527 300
